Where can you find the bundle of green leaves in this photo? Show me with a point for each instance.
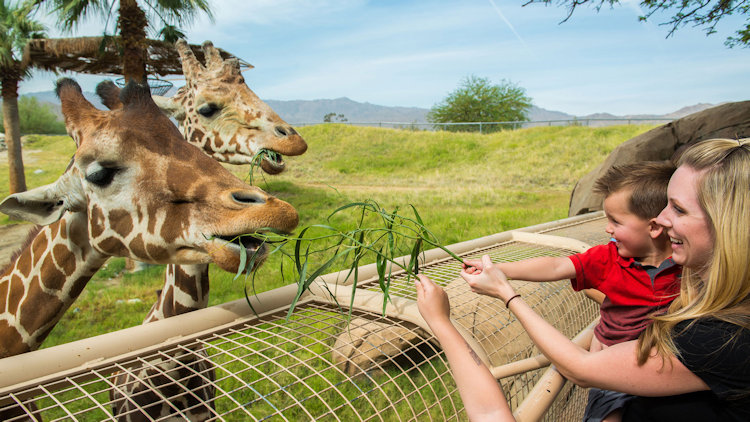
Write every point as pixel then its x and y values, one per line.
pixel 387 235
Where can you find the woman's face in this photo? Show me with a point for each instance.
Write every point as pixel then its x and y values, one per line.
pixel 686 222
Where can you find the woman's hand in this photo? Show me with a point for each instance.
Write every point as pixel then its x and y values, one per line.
pixel 487 279
pixel 432 302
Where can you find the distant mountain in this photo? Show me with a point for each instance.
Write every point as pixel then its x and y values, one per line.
pixel 313 111
pixel 299 112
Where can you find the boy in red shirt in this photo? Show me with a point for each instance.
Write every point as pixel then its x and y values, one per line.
pixel 634 270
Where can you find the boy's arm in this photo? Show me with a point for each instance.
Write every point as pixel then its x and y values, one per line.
pixel 545 268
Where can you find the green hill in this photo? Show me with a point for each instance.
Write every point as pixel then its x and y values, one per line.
pixel 464 186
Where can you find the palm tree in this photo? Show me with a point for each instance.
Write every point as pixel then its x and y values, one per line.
pixel 132 23
pixel 16 28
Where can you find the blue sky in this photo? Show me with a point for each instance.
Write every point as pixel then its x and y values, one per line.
pixel 413 53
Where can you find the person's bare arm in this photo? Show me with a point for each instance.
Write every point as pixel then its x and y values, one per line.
pixel 482 396
pixel 613 368
pixel 545 268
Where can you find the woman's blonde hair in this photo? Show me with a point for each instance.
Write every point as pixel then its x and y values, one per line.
pixel 722 290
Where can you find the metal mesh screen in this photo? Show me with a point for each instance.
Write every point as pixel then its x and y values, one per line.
pixel 324 362
pixel 268 369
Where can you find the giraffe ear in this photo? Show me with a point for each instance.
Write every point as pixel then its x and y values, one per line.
pixel 76 109
pixel 46 204
pixel 170 107
pixel 109 94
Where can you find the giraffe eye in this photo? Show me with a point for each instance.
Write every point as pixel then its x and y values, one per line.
pixel 102 177
pixel 208 109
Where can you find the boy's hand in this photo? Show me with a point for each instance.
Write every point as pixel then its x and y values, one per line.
pixel 488 280
pixel 432 301
pixel 472 266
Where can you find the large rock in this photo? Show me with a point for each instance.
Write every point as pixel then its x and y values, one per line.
pixel 731 120
pixel 368 346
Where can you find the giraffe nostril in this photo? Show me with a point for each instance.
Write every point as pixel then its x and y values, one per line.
pixel 284 131
pixel 248 197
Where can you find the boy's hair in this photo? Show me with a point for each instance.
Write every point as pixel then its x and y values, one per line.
pixel 647 182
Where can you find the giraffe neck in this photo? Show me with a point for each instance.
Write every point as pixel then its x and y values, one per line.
pixel 185 290
pixel 42 283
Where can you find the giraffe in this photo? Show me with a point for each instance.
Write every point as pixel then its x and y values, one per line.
pixel 219 113
pixel 218 86
pixel 134 188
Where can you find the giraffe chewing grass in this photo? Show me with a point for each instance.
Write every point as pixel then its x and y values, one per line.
pixel 135 189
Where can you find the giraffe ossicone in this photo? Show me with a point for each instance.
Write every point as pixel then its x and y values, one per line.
pixel 220 114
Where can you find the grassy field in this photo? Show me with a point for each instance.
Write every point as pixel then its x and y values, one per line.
pixel 464 186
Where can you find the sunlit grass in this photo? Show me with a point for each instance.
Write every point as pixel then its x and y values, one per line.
pixel 465 185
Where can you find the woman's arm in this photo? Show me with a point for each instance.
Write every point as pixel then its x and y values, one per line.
pixel 480 392
pixel 614 368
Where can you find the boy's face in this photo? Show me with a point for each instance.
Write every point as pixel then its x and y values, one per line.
pixel 631 233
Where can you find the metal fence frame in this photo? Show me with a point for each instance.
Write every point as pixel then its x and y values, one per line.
pixel 506 125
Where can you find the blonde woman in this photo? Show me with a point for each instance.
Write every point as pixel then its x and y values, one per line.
pixel 692 363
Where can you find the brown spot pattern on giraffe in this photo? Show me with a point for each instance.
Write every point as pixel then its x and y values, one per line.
pixel 157 253
pixel 138 247
pixel 218 142
pixel 121 222
pixel 17 289
pixel 97 221
pixel 31 315
pixel 113 246
pixel 168 300
pixel 188 284
pixel 62 229
pixel 78 285
pixel 38 249
pixel 10 341
pixel 53 278
pixel 4 286
pixel 64 259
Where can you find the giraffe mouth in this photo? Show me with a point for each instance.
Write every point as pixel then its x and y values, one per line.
pixel 250 243
pixel 227 252
pixel 272 162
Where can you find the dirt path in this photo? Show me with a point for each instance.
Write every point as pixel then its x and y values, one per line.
pixel 11 238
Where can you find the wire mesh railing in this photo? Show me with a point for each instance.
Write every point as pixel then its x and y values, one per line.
pixel 327 361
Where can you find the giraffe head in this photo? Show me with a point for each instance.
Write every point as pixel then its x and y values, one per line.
pixel 221 115
pixel 146 193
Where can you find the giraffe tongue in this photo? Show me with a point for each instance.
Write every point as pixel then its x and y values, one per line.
pixel 247 241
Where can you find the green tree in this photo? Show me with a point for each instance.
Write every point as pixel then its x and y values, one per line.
pixel 333 117
pixel 133 19
pixel 38 118
pixel 698 13
pixel 16 28
pixel 478 100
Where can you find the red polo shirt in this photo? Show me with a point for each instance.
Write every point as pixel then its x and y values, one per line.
pixel 634 291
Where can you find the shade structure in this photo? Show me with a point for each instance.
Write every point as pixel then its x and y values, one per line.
pixel 100 55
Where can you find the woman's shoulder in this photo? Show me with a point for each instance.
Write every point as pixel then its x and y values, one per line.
pixel 716 351
pixel 710 326
pixel 710 333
